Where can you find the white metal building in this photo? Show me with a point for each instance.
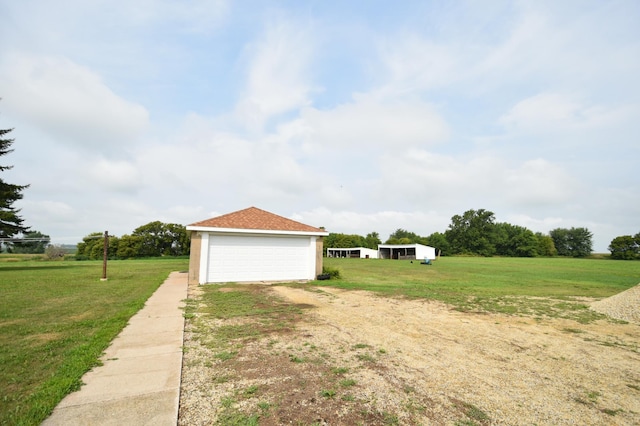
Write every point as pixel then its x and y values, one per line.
pixel 406 251
pixel 357 252
pixel 254 245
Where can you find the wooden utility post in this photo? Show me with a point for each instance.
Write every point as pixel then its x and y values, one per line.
pixel 104 256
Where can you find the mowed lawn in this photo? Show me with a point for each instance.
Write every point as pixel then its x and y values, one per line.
pixel 540 287
pixel 56 319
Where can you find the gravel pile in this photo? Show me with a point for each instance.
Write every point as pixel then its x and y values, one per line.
pixel 623 306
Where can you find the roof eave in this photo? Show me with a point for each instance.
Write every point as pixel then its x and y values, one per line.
pixel 255 231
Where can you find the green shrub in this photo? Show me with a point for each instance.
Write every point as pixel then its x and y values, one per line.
pixel 334 273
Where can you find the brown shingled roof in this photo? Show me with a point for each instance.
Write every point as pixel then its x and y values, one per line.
pixel 255 218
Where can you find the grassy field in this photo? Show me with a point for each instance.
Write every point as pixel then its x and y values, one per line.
pixel 540 287
pixel 56 319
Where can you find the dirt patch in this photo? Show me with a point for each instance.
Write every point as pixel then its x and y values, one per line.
pixel 354 358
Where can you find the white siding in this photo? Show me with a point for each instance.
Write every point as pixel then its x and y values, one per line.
pixel 421 251
pixel 427 252
pixel 241 258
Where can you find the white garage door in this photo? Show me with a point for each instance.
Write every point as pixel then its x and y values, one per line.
pixel 251 258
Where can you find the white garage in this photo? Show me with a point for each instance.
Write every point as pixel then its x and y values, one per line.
pixel 253 245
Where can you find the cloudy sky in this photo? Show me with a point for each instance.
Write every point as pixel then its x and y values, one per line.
pixel 357 116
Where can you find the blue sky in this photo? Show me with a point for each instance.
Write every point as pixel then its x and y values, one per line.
pixel 356 116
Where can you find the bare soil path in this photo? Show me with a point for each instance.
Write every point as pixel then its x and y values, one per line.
pixel 404 361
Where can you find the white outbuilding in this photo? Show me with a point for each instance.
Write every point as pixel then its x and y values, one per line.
pixel 406 251
pixel 357 252
pixel 253 245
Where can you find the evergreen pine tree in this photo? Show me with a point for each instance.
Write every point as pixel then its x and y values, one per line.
pixel 10 222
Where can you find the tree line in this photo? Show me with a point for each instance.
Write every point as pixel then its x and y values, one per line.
pixel 154 239
pixel 477 233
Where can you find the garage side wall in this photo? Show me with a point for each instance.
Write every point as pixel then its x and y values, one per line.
pixel 194 258
pixel 319 257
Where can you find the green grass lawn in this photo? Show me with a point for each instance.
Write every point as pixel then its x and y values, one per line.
pixel 56 319
pixel 528 286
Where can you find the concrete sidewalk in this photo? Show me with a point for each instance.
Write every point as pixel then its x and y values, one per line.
pixel 139 383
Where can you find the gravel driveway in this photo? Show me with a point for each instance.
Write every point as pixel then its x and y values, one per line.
pixel 355 358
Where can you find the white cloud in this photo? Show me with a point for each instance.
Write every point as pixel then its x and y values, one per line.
pixel 369 123
pixel 186 214
pixel 120 176
pixel 415 63
pixel 69 102
pixel 521 50
pixel 547 112
pixel 424 179
pixel 47 210
pixel 422 167
pixel 188 15
pixel 473 52
pixel 278 76
pixel 420 179
pixel 67 17
pixel 553 112
pixel 335 196
pixel 204 160
pixel 538 183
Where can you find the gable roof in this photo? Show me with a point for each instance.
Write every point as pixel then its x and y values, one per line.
pixel 255 218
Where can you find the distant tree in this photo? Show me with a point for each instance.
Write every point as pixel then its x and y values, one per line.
pixel 338 240
pixel 153 238
pixel 112 248
pixel 329 240
pixel 406 237
pixel 162 239
pixel 472 233
pixel 34 242
pixel 84 248
pixel 399 241
pixel 372 240
pixel 574 242
pixel 180 241
pixel 625 247
pixel 10 221
pixel 439 241
pixel 515 241
pixel 129 246
pixel 545 245
pixel 560 238
pixel 92 247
